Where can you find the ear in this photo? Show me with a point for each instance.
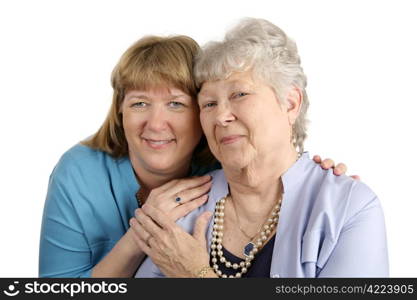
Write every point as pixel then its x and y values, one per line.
pixel 294 102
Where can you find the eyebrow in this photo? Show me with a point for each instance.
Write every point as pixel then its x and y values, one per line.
pixel 233 84
pixel 202 95
pixel 240 83
pixel 173 97
pixel 141 96
pixel 145 97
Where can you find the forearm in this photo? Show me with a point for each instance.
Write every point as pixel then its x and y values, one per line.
pixel 122 261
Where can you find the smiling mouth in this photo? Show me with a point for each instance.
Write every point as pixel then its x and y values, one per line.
pixel 158 144
pixel 230 139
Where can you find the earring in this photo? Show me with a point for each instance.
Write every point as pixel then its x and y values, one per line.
pixel 293 139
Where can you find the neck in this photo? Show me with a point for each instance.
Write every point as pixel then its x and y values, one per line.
pixel 151 179
pixel 255 189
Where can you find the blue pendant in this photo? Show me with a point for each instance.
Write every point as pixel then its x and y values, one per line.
pixel 248 248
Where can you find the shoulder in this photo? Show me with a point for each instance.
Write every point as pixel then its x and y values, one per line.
pixel 332 200
pixel 324 186
pixel 81 154
pixel 81 160
pixel 93 187
pixel 361 198
pixel 344 195
pixel 81 173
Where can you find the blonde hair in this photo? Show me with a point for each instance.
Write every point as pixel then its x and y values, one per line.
pixel 264 48
pixel 150 62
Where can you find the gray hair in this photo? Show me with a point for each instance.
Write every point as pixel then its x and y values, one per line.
pixel 264 48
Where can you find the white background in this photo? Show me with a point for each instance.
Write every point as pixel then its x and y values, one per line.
pixel 56 57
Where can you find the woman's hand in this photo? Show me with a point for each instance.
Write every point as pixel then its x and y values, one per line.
pixel 174 251
pixel 191 193
pixel 178 197
pixel 328 163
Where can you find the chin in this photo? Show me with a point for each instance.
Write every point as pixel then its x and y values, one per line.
pixel 234 163
pixel 160 166
pixel 236 159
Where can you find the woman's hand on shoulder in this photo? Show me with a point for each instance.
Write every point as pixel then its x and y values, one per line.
pixel 178 197
pixel 328 163
pixel 175 199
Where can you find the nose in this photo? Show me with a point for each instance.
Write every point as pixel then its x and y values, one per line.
pixel 224 114
pixel 156 119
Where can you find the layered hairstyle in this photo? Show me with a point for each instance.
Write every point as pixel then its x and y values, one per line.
pixel 150 62
pixel 263 48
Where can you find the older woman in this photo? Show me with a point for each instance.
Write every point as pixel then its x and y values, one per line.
pixel 276 213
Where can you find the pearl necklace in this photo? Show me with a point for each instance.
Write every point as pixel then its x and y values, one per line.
pixel 250 249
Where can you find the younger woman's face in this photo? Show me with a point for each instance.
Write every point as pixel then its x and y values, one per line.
pixel 162 128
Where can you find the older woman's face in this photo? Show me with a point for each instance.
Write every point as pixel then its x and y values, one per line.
pixel 243 120
pixel 161 127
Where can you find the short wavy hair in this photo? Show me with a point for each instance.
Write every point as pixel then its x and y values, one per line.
pixel 260 46
pixel 150 62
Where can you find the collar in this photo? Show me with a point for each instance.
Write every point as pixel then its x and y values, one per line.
pixel 294 174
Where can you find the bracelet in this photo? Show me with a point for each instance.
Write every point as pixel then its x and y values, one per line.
pixel 203 272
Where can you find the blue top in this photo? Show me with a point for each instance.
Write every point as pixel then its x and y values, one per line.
pixel 329 226
pixel 91 197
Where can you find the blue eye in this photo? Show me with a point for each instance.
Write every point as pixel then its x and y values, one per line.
pixel 175 104
pixel 239 94
pixel 209 105
pixel 139 104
